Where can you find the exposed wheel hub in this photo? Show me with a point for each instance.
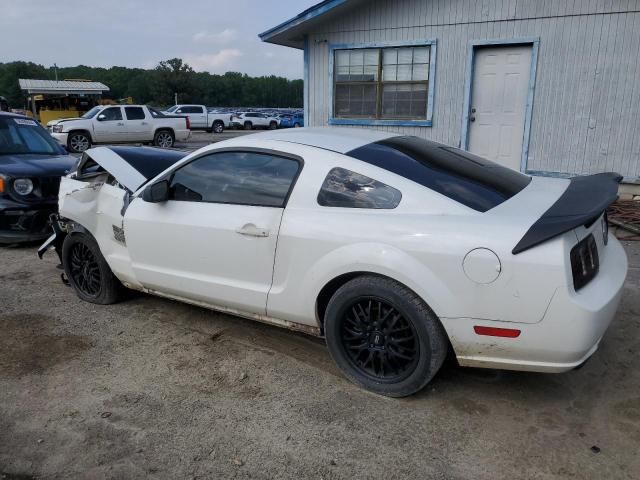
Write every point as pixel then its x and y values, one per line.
pixel 377 339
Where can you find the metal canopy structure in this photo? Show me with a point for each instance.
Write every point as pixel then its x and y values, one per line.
pixel 77 87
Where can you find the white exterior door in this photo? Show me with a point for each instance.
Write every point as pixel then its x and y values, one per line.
pixel 498 103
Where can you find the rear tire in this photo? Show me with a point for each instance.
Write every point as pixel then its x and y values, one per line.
pixel 88 271
pixel 78 142
pixel 248 126
pixel 218 127
pixel 383 336
pixel 164 139
pixel 296 125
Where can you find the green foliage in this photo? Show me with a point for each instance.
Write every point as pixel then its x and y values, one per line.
pixel 157 86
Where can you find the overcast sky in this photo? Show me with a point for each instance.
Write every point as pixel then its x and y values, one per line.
pixel 210 35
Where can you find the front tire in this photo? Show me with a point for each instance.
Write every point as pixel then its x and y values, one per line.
pixel 78 142
pixel 248 126
pixel 383 336
pixel 88 271
pixel 273 125
pixel 163 139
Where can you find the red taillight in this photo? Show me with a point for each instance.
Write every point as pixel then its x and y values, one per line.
pixel 497 332
pixel 188 123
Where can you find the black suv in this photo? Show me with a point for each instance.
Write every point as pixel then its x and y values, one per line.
pixel 31 164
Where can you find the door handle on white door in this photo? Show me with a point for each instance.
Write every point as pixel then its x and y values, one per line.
pixel 144 123
pixel 120 123
pixel 252 231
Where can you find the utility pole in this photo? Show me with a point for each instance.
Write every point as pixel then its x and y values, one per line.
pixel 55 69
pixel 175 98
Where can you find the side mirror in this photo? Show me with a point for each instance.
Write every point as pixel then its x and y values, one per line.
pixel 101 117
pixel 157 192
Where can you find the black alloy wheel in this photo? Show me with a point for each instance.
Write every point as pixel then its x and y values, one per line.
pixel 88 271
pixel 379 340
pixel 84 270
pixel 383 336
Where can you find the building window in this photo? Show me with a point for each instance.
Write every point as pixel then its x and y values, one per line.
pixel 382 83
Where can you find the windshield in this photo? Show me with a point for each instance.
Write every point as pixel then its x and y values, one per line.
pixel 23 136
pixel 91 113
pixel 172 109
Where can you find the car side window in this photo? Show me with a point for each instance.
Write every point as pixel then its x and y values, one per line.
pixel 242 178
pixel 347 189
pixel 111 113
pixel 134 113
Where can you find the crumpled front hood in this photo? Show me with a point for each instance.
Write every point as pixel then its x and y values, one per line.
pixel 31 165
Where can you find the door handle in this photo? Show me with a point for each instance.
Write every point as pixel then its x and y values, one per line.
pixel 252 231
pixel 144 123
pixel 120 123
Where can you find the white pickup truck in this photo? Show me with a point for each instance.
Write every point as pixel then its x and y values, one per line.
pixel 201 118
pixel 120 124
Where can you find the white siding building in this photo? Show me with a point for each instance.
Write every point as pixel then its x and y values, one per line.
pixel 549 87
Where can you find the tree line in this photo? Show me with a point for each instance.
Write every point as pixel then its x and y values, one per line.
pixel 157 86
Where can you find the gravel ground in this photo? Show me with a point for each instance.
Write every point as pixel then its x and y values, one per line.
pixel 157 389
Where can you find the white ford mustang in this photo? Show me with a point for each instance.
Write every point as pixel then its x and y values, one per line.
pixel 393 248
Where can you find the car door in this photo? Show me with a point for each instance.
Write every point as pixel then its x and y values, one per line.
pixel 214 239
pixel 139 128
pixel 264 119
pixel 196 115
pixel 109 126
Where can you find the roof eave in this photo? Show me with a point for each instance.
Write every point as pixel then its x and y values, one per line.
pixel 289 33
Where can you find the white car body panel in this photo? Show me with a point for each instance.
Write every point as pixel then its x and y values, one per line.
pixel 211 260
pixel 193 252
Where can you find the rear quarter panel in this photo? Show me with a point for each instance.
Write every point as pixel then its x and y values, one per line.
pixel 422 244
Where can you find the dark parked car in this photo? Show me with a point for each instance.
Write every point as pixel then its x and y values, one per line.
pixel 31 164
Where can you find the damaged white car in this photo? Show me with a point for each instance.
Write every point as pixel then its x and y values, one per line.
pixel 394 248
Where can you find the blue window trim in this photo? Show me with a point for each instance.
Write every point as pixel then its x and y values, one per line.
pixel 526 134
pixel 428 122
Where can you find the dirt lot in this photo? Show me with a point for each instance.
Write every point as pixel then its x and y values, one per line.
pixel 153 388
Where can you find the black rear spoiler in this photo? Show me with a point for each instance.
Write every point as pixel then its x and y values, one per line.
pixel 583 202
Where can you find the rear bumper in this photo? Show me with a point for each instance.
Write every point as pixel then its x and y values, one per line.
pixel 567 336
pixel 21 223
pixel 182 135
